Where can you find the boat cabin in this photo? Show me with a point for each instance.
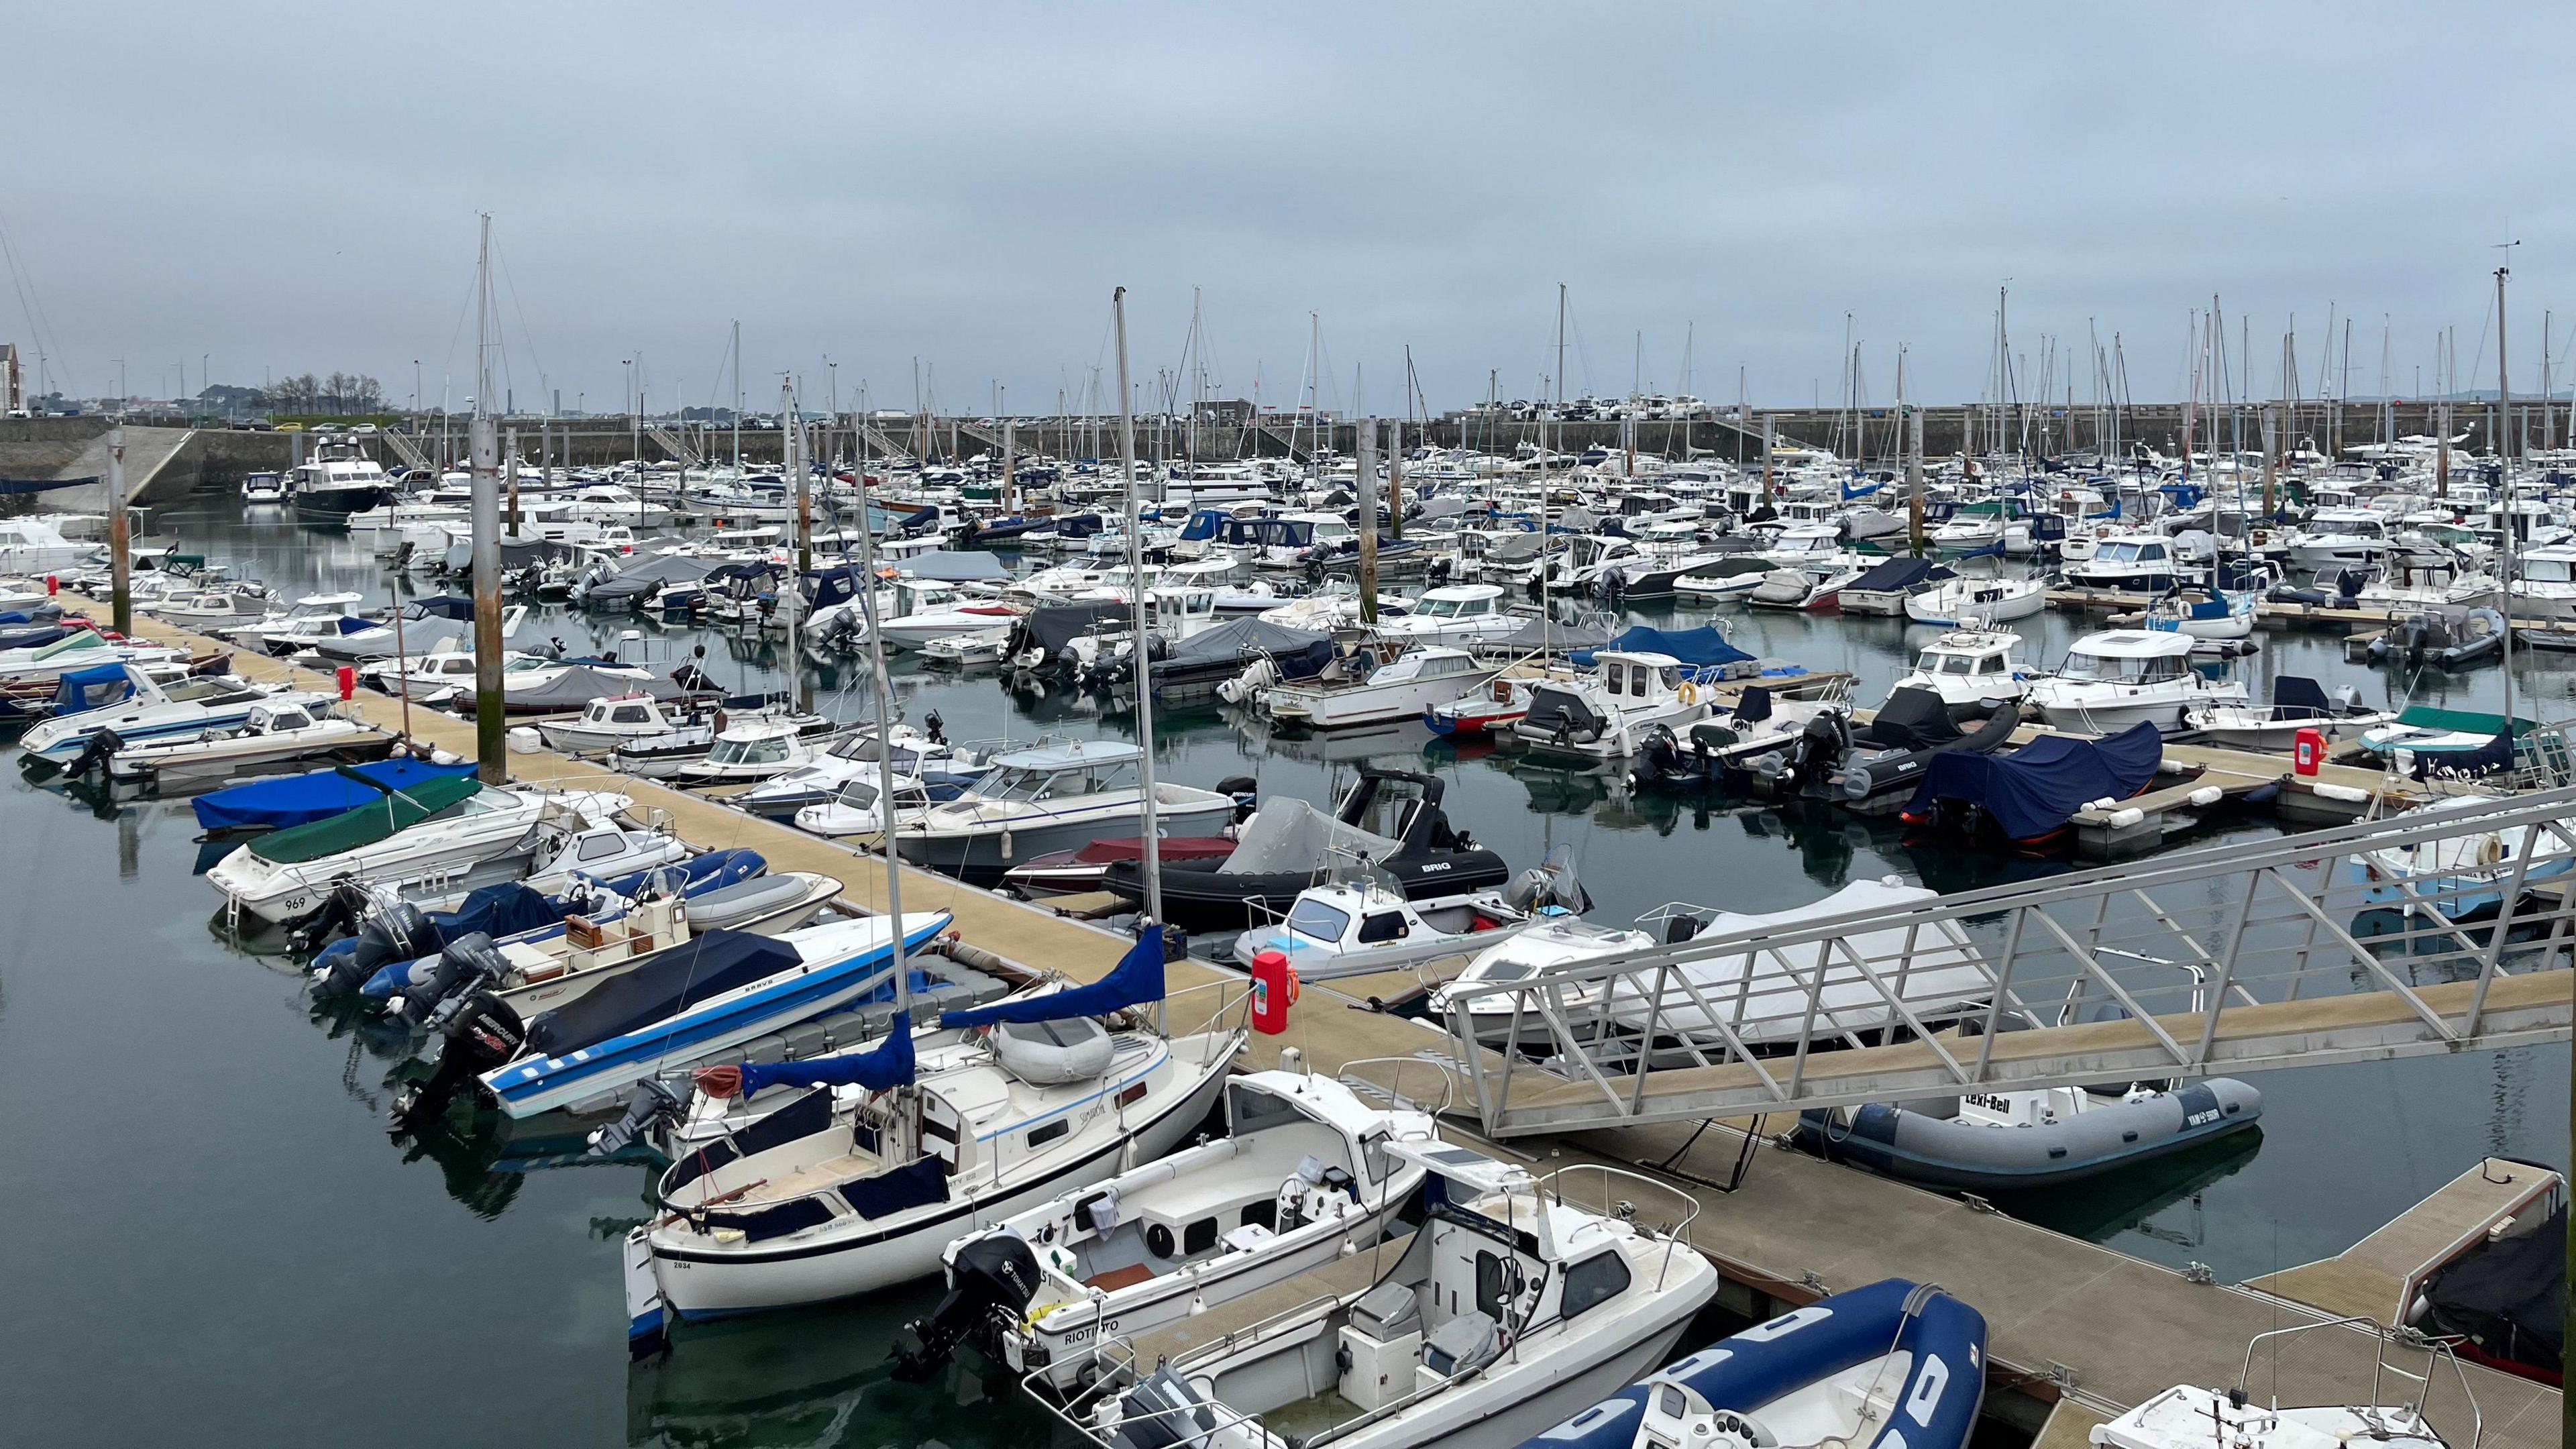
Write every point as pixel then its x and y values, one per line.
pixel 2128 656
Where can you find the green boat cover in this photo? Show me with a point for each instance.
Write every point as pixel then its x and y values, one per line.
pixel 85 639
pixel 365 825
pixel 2466 721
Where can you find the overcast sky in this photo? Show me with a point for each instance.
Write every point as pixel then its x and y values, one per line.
pixel 295 188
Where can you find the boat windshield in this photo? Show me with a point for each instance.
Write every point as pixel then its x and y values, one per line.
pixel 1437 609
pixel 747 752
pixel 2095 669
pixel 1318 920
pixel 1934 662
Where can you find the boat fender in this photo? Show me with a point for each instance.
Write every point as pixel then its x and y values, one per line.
pixel 2348 794
pixel 2207 796
pixel 2123 819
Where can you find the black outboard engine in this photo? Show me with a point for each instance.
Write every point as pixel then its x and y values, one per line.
pixel 995 1275
pixel 401 932
pixel 1820 748
pixel 470 961
pixel 1658 759
pixel 482 1033
pixel 93 758
pixel 652 1103
pixel 935 727
pixel 1246 792
pixel 339 913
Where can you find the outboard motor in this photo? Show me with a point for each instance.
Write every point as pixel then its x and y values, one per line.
pixel 93 758
pixel 935 727
pixel 469 961
pixel 1658 759
pixel 338 914
pixel 651 1104
pixel 1820 748
pixel 995 1275
pixel 482 1033
pixel 1550 883
pixel 1246 792
pixel 399 932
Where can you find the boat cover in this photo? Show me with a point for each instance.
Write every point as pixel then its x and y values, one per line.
pixel 418 637
pixel 647 577
pixel 1137 978
pixel 2295 696
pixel 1700 647
pixel 1301 652
pixel 580 684
pixel 1050 628
pixel 502 909
pixel 712 870
pixel 2492 758
pixel 2510 1296
pixel 2461 721
pixel 96 687
pixel 1898 573
pixel 2038 788
pixel 1288 834
pixel 951 566
pixel 887 1064
pixel 366 824
pixel 299 799
pixel 1912 719
pixel 665 985
pixel 1539 634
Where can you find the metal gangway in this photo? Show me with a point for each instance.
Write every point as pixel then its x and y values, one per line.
pixel 677 446
pixel 404 449
pixel 2441 930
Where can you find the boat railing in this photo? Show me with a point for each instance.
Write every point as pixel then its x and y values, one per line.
pixel 1233 999
pixel 2436 1351
pixel 1676 1236
pixel 1105 1370
pixel 1393 1090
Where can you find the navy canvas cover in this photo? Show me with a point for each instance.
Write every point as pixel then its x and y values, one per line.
pixel 1138 978
pixel 1700 647
pixel 2038 788
pixel 887 1064
pixel 298 799
pixel 662 987
pixel 499 910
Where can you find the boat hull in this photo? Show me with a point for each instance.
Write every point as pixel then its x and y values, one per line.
pixel 983 856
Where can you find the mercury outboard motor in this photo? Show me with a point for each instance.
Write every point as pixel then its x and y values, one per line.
pixel 1246 792
pixel 996 1274
pixel 482 1033
pixel 469 961
pixel 400 932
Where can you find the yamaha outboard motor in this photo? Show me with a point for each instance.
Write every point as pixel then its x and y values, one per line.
pixel 470 961
pixel 400 932
pixel 995 1275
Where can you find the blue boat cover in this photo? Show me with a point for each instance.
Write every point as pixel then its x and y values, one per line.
pixel 1702 646
pixel 2036 789
pixel 1941 1391
pixel 96 687
pixel 1137 978
pixel 662 987
pixel 504 909
pixel 1898 573
pixel 298 799
pixel 887 1064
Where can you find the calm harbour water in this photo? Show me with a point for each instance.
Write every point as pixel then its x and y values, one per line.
pixel 224 1244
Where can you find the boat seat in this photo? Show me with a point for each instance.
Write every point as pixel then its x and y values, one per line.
pixel 1466 1342
pixel 1387 1311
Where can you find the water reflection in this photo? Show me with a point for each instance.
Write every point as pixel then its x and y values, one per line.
pixel 2134 1200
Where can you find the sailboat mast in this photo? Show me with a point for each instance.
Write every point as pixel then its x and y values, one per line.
pixel 867 582
pixel 737 398
pixel 490 729
pixel 1139 654
pixel 2504 472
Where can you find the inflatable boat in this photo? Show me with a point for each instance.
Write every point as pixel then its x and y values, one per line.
pixel 1895 1365
pixel 1886 757
pixel 2013 1140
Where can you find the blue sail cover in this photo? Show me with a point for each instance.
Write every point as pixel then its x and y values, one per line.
pixel 887 1064
pixel 2036 789
pixel 1138 978
pixel 298 799
pixel 1701 647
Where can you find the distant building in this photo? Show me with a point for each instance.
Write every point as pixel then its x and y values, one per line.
pixel 13 382
pixel 1232 412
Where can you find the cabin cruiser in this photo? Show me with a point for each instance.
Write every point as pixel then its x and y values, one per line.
pixel 855 757
pixel 1970 669
pixel 336 482
pixel 2338 538
pixel 2113 680
pixel 1302 1177
pixel 847 1186
pixel 312 616
pixel 1981 602
pixel 275 732
pixel 151 711
pixel 212 610
pixel 35 547
pixel 852 808
pixel 447 834
pixel 1361 922
pixel 664 756
pixel 1398 686
pixel 2211 616
pixel 754 747
pixel 1511 1307
pixel 1461 615
pixel 1050 798
pixel 1605 717
pixel 604 723
pixel 2134 563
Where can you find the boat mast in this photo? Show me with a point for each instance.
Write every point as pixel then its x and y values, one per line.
pixel 1139 654
pixel 2504 473
pixel 491 746
pixel 885 739
pixel 792 445
pixel 737 399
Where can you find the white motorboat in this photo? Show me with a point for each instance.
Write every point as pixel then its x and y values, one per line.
pixel 86 649
pixel 1970 669
pixel 2298 705
pixel 1978 602
pixel 1398 687
pixel 2111 681
pixel 1549 945
pixel 1364 923
pixel 604 723
pixel 1460 615
pixel 1720 578
pixel 276 732
pixel 2210 615
pixel 2337 538
pixel 1810 587
pixel 315 616
pixel 1606 716
pixel 1510 1308
pixel 1053 797
pixel 2135 563
pixel 212 611
pixel 753 748
pixel 446 835
pixel 2190 1417
pixel 854 757
pixel 152 711
pixel 1302 1177
pixel 33 546
pixel 847 1186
